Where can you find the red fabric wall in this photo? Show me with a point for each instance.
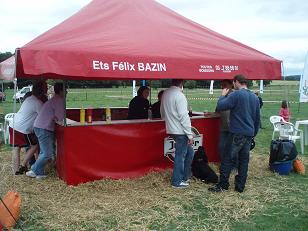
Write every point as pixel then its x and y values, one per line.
pixel 87 153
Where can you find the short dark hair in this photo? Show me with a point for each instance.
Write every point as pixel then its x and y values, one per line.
pixel 229 81
pixel 141 90
pixel 38 88
pixel 58 87
pixel 160 93
pixel 284 104
pixel 177 82
pixel 241 79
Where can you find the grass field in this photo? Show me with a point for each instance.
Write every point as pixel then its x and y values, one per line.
pixel 270 201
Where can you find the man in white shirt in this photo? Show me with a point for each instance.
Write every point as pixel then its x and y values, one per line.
pixel 21 127
pixel 44 126
pixel 174 111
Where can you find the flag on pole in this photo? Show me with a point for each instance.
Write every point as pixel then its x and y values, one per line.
pixel 300 84
pixel 303 86
pixel 212 88
pixel 261 87
pixel 134 88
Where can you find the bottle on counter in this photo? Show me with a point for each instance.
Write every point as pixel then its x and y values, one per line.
pixel 82 115
pixel 150 116
pixel 190 112
pixel 108 115
pixel 89 115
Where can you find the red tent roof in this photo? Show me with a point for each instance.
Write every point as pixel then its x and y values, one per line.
pixel 134 39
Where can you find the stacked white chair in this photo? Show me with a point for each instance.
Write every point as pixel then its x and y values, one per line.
pixel 275 119
pixel 287 131
pixel 8 117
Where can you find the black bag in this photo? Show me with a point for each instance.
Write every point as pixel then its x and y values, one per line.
pixel 282 150
pixel 200 168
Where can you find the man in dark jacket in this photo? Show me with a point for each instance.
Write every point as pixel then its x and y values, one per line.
pixel 139 105
pixel 244 125
pixel 156 106
pixel 261 105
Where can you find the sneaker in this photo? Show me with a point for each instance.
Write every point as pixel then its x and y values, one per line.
pixel 186 183
pixel 181 185
pixel 240 190
pixel 217 188
pixel 40 177
pixel 21 170
pixel 31 174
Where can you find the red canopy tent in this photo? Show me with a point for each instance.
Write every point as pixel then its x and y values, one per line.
pixel 133 39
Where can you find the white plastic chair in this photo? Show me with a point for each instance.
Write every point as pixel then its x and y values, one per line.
pixel 287 131
pixel 2 130
pixel 6 133
pixel 275 119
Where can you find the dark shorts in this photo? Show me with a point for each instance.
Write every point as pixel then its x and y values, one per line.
pixel 21 139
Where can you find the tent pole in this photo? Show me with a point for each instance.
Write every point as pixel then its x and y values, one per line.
pixel 150 84
pixel 64 91
pixel 2 90
pixel 14 104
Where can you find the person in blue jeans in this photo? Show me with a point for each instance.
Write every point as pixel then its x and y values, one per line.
pixel 184 155
pixel 224 124
pixel 244 125
pixel 44 125
pixel 174 111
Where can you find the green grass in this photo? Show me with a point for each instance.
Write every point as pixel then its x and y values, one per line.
pixel 288 212
pixel 272 202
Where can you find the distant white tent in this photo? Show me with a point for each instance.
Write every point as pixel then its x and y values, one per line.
pixel 7 69
pixel 303 86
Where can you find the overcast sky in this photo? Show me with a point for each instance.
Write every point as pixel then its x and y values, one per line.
pixel 278 28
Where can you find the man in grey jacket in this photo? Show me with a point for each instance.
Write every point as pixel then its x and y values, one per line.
pixel 174 111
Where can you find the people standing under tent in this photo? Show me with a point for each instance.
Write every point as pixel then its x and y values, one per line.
pixel 224 123
pixel 284 111
pixel 21 127
pixel 156 106
pixel 178 125
pixel 244 125
pixel 139 105
pixel 43 98
pixel 44 126
pixel 261 105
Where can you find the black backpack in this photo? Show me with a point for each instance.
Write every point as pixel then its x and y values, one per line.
pixel 282 150
pixel 200 168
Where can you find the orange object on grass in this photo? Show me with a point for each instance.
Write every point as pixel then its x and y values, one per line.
pixel 12 202
pixel 299 167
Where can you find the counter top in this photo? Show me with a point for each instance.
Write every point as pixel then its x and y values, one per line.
pixel 196 115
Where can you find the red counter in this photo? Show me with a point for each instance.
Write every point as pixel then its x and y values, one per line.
pixel 122 149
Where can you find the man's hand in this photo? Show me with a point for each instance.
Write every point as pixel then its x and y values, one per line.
pixel 191 141
pixel 225 91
